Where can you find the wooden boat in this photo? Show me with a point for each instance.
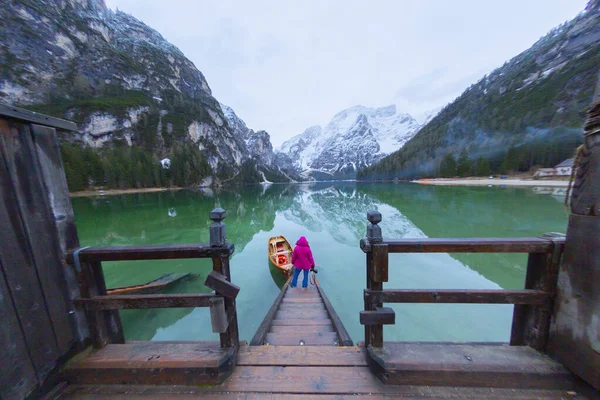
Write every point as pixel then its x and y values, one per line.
pixel 280 254
pixel 150 287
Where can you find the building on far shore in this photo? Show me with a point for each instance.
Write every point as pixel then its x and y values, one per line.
pixel 562 169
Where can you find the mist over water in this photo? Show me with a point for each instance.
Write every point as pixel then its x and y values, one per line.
pixel 333 218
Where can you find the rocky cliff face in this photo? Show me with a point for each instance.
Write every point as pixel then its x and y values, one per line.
pixel 354 139
pixel 119 79
pixel 527 113
pixel 271 166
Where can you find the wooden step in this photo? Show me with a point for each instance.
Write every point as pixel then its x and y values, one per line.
pixel 309 339
pixel 233 390
pixel 306 306
pixel 478 365
pixel 301 314
pixel 302 356
pixel 304 296
pixel 300 300
pixel 353 380
pixel 157 363
pixel 301 293
pixel 305 329
pixel 301 322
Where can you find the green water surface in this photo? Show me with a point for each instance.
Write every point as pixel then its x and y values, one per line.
pixel 333 218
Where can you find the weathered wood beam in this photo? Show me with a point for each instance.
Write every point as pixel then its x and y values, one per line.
pixel 219 283
pixel 218 316
pixel 30 116
pixel 458 296
pixel 119 302
pixel 340 329
pixel 151 252
pixel 261 333
pixel 381 316
pixel 381 261
pixel 374 237
pixel 470 245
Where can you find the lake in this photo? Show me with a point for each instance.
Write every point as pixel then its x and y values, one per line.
pixel 333 218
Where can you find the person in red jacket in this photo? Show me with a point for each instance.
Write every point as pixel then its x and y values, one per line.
pixel 302 259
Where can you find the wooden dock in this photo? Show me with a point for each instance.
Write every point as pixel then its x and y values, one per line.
pixel 298 352
pixel 338 372
pixel 302 317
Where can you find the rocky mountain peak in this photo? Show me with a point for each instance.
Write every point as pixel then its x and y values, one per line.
pixel 125 86
pixel 353 139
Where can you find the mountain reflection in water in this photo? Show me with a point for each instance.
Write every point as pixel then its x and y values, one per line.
pixel 333 218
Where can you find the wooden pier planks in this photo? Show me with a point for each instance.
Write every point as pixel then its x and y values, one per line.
pixel 302 317
pixel 121 392
pixel 480 365
pixel 306 321
pixel 349 356
pixel 160 363
pixel 328 373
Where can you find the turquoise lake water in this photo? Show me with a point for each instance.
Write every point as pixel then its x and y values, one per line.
pixel 333 218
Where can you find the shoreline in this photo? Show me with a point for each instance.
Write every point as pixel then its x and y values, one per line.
pixel 113 192
pixel 493 182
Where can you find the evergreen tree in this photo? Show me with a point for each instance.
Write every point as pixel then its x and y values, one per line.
pixel 482 167
pixel 448 166
pixel 463 167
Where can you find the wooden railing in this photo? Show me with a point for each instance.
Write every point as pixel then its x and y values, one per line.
pixel 101 309
pixel 533 304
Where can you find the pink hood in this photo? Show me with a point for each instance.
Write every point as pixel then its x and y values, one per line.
pixel 302 257
pixel 302 242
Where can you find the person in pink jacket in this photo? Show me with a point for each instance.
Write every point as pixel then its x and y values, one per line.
pixel 302 259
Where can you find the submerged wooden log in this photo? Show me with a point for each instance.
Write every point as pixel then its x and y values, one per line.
pixel 153 286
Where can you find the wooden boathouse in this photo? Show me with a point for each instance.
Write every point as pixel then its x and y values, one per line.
pixel 61 334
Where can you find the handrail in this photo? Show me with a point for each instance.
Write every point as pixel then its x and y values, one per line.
pixel 458 296
pixel 119 302
pixel 101 309
pixel 533 305
pixel 147 252
pixel 471 245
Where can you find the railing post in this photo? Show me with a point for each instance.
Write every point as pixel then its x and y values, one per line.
pixel 531 323
pixel 221 252
pixel 373 333
pixel 104 326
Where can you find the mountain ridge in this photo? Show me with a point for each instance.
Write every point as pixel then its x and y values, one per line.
pixel 133 95
pixel 526 113
pixel 353 139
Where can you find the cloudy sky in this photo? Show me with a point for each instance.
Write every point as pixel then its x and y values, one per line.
pixel 285 65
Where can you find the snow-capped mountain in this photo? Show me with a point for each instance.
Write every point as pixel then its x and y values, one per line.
pixel 425 117
pixel 354 139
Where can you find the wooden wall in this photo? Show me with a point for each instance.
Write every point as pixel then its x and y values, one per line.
pixel 575 330
pixel 39 325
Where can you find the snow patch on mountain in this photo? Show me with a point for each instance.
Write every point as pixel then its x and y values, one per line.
pixel 354 138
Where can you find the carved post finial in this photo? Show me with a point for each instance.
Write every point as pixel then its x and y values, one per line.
pixel 217 228
pixel 374 230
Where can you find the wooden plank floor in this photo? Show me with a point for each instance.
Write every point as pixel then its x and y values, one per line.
pixel 301 320
pixel 179 363
pixel 308 372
